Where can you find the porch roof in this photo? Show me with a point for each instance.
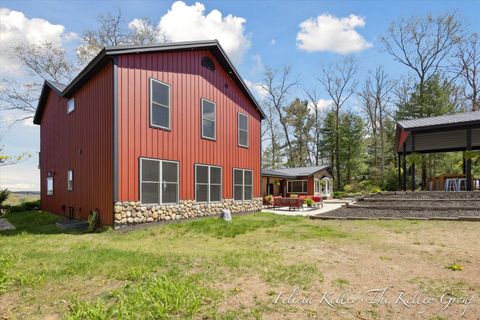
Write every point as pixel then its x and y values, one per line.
pixel 293 173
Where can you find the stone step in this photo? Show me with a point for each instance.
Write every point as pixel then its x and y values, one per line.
pixel 413 207
pixel 428 195
pixel 382 199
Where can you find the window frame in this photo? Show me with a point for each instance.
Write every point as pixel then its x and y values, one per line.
pixel 169 128
pixel 214 121
pixel 50 193
pixel 209 184
pixel 239 129
pixel 294 192
pixel 243 185
pixel 68 103
pixel 69 187
pixel 160 173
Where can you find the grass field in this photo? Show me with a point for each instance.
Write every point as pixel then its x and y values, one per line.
pixel 208 269
pixel 17 198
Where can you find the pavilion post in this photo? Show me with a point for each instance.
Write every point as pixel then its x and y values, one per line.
pixel 468 162
pixel 268 186
pixel 404 182
pixel 413 163
pixel 399 166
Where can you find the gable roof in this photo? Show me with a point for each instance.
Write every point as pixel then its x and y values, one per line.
pixel 463 118
pixel 106 55
pixel 293 172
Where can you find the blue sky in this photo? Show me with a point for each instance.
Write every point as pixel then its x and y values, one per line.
pixel 270 30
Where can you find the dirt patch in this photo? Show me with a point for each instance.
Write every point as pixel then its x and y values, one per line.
pixel 411 259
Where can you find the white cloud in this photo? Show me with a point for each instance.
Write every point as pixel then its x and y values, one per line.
pixel 272 42
pixel 184 23
pixel 322 104
pixel 16 28
pixel 256 88
pixel 329 33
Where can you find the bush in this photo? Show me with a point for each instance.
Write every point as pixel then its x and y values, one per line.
pixel 362 187
pixel 391 180
pixel 4 195
pixel 25 206
pixel 309 202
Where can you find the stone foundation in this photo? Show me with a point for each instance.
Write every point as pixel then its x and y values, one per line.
pixel 133 212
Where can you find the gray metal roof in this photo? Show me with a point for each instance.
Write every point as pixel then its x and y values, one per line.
pixel 106 55
pixel 440 121
pixel 57 85
pixel 294 172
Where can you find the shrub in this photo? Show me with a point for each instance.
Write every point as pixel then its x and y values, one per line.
pixel 362 187
pixel 309 202
pixel 4 194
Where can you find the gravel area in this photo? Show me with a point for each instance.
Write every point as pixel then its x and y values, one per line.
pixel 375 213
pixel 430 195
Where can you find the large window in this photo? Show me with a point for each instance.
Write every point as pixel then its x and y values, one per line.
pixel 208 120
pixel 50 186
pixel 242 184
pixel 242 130
pixel 297 186
pixel 70 105
pixel 70 180
pixel 208 183
pixel 158 181
pixel 159 104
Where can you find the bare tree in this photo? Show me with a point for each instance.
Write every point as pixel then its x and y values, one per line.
pixel 338 81
pixel 43 60
pixel 469 59
pixel 423 44
pixel 314 101
pixel 376 95
pixel 277 84
pixel 143 31
pixel 8 160
pixel 112 31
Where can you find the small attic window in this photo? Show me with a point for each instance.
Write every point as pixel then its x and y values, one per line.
pixel 208 63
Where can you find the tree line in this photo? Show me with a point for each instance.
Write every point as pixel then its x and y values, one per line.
pixel 355 133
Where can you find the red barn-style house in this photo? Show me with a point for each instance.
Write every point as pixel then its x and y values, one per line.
pixel 150 133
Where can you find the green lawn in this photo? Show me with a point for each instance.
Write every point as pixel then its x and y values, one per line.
pixel 209 269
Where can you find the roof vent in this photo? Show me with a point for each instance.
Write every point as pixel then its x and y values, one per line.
pixel 208 63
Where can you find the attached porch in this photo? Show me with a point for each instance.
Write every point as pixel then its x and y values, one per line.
pixel 316 181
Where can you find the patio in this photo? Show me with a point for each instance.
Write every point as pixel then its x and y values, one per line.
pixel 328 205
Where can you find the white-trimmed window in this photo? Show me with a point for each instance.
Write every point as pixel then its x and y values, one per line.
pixel 159 104
pixel 70 105
pixel 159 181
pixel 208 183
pixel 297 186
pixel 70 180
pixel 242 184
pixel 50 185
pixel 208 119
pixel 242 130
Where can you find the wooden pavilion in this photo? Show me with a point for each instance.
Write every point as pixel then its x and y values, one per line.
pixel 448 133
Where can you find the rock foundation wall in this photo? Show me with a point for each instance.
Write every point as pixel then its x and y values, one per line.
pixel 133 212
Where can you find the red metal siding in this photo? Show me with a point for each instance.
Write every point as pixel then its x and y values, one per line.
pixel 189 83
pixel 310 185
pixel 82 141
